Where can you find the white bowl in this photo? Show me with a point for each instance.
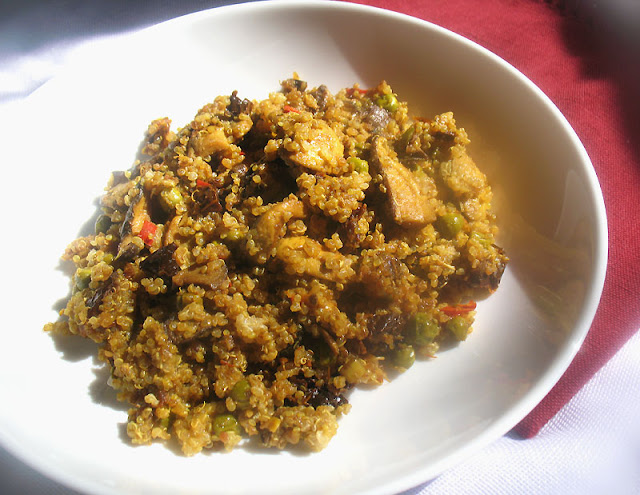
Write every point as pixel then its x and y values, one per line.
pixel 59 415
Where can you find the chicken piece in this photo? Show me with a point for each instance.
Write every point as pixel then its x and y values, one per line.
pixel 171 230
pixel 304 256
pixel 461 174
pixel 412 204
pixel 210 141
pixel 315 146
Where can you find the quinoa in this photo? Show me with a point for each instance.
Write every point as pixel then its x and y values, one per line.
pixel 271 255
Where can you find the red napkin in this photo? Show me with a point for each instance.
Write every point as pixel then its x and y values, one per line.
pixel 586 58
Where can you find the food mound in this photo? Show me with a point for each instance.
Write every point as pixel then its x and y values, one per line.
pixel 271 255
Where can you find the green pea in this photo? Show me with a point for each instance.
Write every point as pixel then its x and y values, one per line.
pixel 83 278
pixel 358 164
pixel 388 102
pixel 450 224
pixel 483 239
pixel 103 222
pixel 225 422
pixel 403 357
pixel 406 137
pixel 241 393
pixel 171 198
pixel 354 370
pixel 425 329
pixel 323 356
pixel 459 327
pixel 233 235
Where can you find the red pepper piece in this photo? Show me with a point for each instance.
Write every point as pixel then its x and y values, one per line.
pixel 351 91
pixel 201 183
pixel 459 309
pixel 289 108
pixel 148 232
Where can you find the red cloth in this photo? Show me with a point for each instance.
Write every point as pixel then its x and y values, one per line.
pixel 587 60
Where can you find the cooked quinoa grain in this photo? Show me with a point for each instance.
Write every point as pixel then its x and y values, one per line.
pixel 273 254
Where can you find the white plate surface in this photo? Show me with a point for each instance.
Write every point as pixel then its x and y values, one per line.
pixel 57 412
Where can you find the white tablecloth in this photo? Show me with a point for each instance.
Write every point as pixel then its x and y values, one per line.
pixel 591 447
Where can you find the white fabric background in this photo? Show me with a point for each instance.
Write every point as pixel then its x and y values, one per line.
pixel 591 447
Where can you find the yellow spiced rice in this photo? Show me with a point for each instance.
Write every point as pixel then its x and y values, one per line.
pixel 272 255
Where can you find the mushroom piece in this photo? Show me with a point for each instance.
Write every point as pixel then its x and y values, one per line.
pixel 411 205
pixel 135 216
pixel 161 263
pixel 271 225
pixel 130 244
pixel 377 117
pixel 212 275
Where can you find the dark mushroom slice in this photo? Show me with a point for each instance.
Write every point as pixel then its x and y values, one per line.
pixel 376 116
pixel 130 243
pixel 161 263
pixel 293 83
pixel 322 96
pixel 237 106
